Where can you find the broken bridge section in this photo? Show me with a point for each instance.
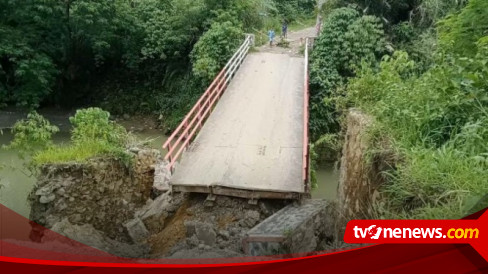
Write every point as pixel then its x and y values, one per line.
pixel 247 136
pixel 296 228
pixel 252 144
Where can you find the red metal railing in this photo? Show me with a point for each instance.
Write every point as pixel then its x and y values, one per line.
pixel 194 120
pixel 306 148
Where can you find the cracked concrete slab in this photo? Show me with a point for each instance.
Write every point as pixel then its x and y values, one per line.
pixel 253 140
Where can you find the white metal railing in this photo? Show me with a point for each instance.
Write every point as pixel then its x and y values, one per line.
pixel 194 120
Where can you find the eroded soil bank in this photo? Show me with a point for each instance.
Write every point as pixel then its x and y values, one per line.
pixel 114 207
pixel 16 182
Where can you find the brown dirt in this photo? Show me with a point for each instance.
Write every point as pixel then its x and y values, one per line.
pixel 225 221
pixel 295 41
pixel 174 232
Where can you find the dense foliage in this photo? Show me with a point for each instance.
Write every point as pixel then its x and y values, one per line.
pixel 32 134
pixel 93 124
pixel 290 9
pixel 429 97
pixel 93 134
pixel 125 56
pixel 392 12
pixel 347 40
pixel 464 33
pixel 214 49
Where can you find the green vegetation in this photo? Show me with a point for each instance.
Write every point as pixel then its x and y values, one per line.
pixel 78 153
pixel 31 135
pixel 93 135
pixel 93 124
pixel 347 40
pixel 214 49
pixel 138 56
pixel 428 94
pixel 303 23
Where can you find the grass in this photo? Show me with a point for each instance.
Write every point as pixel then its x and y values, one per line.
pixel 435 183
pixel 261 35
pixel 79 153
pixel 438 133
pixel 302 23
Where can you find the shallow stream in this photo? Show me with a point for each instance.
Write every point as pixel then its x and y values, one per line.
pixel 15 182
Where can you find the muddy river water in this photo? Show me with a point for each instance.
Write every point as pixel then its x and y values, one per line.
pixel 16 183
pixel 15 180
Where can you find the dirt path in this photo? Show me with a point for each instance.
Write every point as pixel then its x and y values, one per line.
pixel 296 40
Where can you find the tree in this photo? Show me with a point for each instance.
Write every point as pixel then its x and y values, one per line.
pixel 347 41
pixel 215 48
pixel 460 32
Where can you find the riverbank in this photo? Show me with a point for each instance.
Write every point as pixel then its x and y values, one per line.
pixel 16 182
pixel 104 197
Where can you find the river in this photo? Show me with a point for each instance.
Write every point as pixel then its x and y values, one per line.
pixel 327 182
pixel 15 183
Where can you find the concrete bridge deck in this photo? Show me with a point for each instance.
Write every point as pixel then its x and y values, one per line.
pixel 251 146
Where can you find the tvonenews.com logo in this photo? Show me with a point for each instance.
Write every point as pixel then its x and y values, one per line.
pixel 375 232
pixel 468 231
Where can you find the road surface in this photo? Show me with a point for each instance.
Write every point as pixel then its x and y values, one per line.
pixel 253 140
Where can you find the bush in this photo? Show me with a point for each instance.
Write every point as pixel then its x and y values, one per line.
pixel 93 135
pixel 421 48
pixel 429 108
pixel 32 134
pixel 347 40
pixel 438 122
pixel 428 12
pixel 292 9
pixel 423 13
pixel 215 48
pixel 460 32
pixel 93 124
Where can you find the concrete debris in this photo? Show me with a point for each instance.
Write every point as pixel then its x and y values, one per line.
pixel 162 175
pixel 293 229
pixel 47 199
pixel 205 233
pixel 137 230
pixel 103 192
pixel 112 207
pixel 88 235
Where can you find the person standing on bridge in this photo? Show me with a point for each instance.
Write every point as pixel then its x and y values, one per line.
pixel 271 36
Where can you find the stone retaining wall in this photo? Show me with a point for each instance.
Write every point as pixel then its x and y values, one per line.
pixel 103 193
pixel 360 178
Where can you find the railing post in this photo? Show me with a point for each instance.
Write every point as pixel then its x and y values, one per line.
pixel 251 38
pixel 222 86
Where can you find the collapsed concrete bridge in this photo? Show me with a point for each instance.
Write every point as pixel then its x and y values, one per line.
pixel 247 136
